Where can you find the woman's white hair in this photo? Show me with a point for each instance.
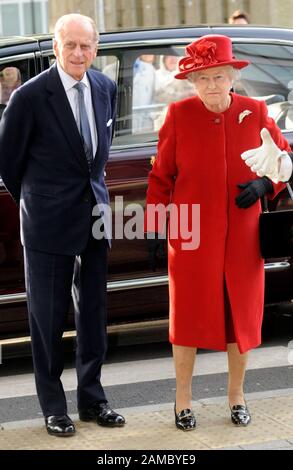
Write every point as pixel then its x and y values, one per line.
pixel 234 74
pixel 65 19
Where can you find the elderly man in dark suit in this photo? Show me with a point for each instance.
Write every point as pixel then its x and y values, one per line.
pixel 55 136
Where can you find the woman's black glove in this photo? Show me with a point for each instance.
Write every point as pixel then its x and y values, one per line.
pixel 252 191
pixel 156 246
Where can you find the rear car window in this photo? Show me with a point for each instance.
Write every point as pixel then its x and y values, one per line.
pixel 269 77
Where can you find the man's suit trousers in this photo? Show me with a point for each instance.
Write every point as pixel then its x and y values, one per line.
pixel 51 280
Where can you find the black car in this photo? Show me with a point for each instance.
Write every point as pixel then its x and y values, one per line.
pixel 142 63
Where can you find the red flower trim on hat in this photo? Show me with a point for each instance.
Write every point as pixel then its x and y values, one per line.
pixel 200 54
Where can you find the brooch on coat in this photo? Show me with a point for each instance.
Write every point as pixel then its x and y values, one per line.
pixel 242 115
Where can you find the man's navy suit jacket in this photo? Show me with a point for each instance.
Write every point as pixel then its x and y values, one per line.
pixel 43 164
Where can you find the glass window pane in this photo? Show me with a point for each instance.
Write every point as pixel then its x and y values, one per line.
pixel 154 88
pixel 269 77
pixel 109 65
pixel 10 79
pixel 146 89
pixel 28 23
pixel 10 19
pixel 32 17
pixel 12 75
pixel 46 14
pixel 38 17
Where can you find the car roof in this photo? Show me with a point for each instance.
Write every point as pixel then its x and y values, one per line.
pixel 13 45
pixel 188 31
pixel 44 41
pixel 12 40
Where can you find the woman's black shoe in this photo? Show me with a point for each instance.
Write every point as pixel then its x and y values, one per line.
pixel 185 419
pixel 240 415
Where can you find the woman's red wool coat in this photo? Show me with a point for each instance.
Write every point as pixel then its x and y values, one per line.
pixel 199 162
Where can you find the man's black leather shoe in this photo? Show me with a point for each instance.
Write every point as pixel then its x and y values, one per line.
pixel 60 426
pixel 103 414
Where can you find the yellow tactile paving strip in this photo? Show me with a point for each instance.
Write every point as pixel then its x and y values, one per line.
pixel 272 421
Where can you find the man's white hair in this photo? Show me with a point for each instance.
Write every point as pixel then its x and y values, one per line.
pixel 74 17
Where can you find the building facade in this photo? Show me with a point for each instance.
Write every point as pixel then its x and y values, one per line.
pixel 39 16
pixel 23 17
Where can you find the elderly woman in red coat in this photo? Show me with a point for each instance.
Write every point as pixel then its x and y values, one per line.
pixel 216 288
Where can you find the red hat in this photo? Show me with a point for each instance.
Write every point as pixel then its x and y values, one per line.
pixel 212 50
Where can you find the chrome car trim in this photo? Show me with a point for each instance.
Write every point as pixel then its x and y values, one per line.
pixel 176 41
pixel 118 148
pixel 12 298
pixel 147 42
pixel 284 42
pixel 28 55
pixel 186 40
pixel 278 266
pixel 113 286
pixel 155 281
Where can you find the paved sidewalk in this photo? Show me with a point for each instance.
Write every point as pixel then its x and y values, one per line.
pixel 152 427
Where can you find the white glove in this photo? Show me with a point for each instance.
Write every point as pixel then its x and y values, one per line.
pixel 265 160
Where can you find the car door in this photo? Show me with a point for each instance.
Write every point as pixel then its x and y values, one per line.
pixel 269 78
pixel 18 64
pixel 142 105
pixel 136 291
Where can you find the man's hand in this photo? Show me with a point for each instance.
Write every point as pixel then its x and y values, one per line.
pixel 252 191
pixel 266 159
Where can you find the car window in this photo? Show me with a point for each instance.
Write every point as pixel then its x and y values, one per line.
pixel 147 87
pixel 269 77
pixel 10 80
pixel 109 65
pixel 154 87
pixel 12 75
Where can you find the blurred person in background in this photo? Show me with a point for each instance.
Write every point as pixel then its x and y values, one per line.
pixel 143 93
pixel 166 88
pixel 10 80
pixel 239 17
